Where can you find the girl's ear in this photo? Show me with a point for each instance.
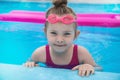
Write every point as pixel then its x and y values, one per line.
pixel 77 34
pixel 44 30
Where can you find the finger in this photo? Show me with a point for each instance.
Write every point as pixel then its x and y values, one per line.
pixel 92 71
pixel 83 73
pixel 26 65
pixel 32 64
pixel 80 73
pixel 75 68
pixel 87 72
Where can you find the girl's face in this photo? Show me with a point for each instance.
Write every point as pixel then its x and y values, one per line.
pixel 60 36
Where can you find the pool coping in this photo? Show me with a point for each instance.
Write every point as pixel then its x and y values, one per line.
pixel 19 72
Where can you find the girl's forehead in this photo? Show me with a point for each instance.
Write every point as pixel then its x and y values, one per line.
pixel 60 26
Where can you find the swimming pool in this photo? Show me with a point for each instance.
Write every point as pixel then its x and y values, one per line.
pixel 18 40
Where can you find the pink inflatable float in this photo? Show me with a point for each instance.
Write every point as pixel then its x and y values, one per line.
pixel 98 20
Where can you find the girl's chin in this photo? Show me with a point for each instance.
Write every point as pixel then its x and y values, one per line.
pixel 59 50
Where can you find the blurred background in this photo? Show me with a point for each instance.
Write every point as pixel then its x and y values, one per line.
pixel 82 1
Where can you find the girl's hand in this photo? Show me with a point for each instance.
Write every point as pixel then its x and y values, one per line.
pixel 84 69
pixel 30 64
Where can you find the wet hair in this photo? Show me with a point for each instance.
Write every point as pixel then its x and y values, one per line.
pixel 60 8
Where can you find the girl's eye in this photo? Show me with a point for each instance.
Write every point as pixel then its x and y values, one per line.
pixel 53 33
pixel 67 34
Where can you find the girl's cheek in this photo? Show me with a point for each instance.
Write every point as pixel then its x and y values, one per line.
pixel 69 41
pixel 50 39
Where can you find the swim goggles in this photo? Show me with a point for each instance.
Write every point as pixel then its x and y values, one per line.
pixel 67 19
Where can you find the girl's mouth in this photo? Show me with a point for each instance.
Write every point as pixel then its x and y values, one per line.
pixel 59 45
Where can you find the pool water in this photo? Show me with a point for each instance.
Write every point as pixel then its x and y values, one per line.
pixel 18 40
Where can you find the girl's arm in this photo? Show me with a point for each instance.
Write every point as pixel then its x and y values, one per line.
pixel 38 55
pixel 85 58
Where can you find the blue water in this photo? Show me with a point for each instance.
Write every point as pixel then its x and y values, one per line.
pixel 18 40
pixel 44 6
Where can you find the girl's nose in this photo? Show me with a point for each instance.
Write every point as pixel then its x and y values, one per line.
pixel 60 39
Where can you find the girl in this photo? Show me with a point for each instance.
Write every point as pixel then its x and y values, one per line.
pixel 61 31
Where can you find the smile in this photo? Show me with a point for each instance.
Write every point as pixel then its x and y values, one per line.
pixel 59 45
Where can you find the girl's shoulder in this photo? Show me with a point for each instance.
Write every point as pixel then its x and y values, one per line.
pixel 39 54
pixel 40 49
pixel 82 51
